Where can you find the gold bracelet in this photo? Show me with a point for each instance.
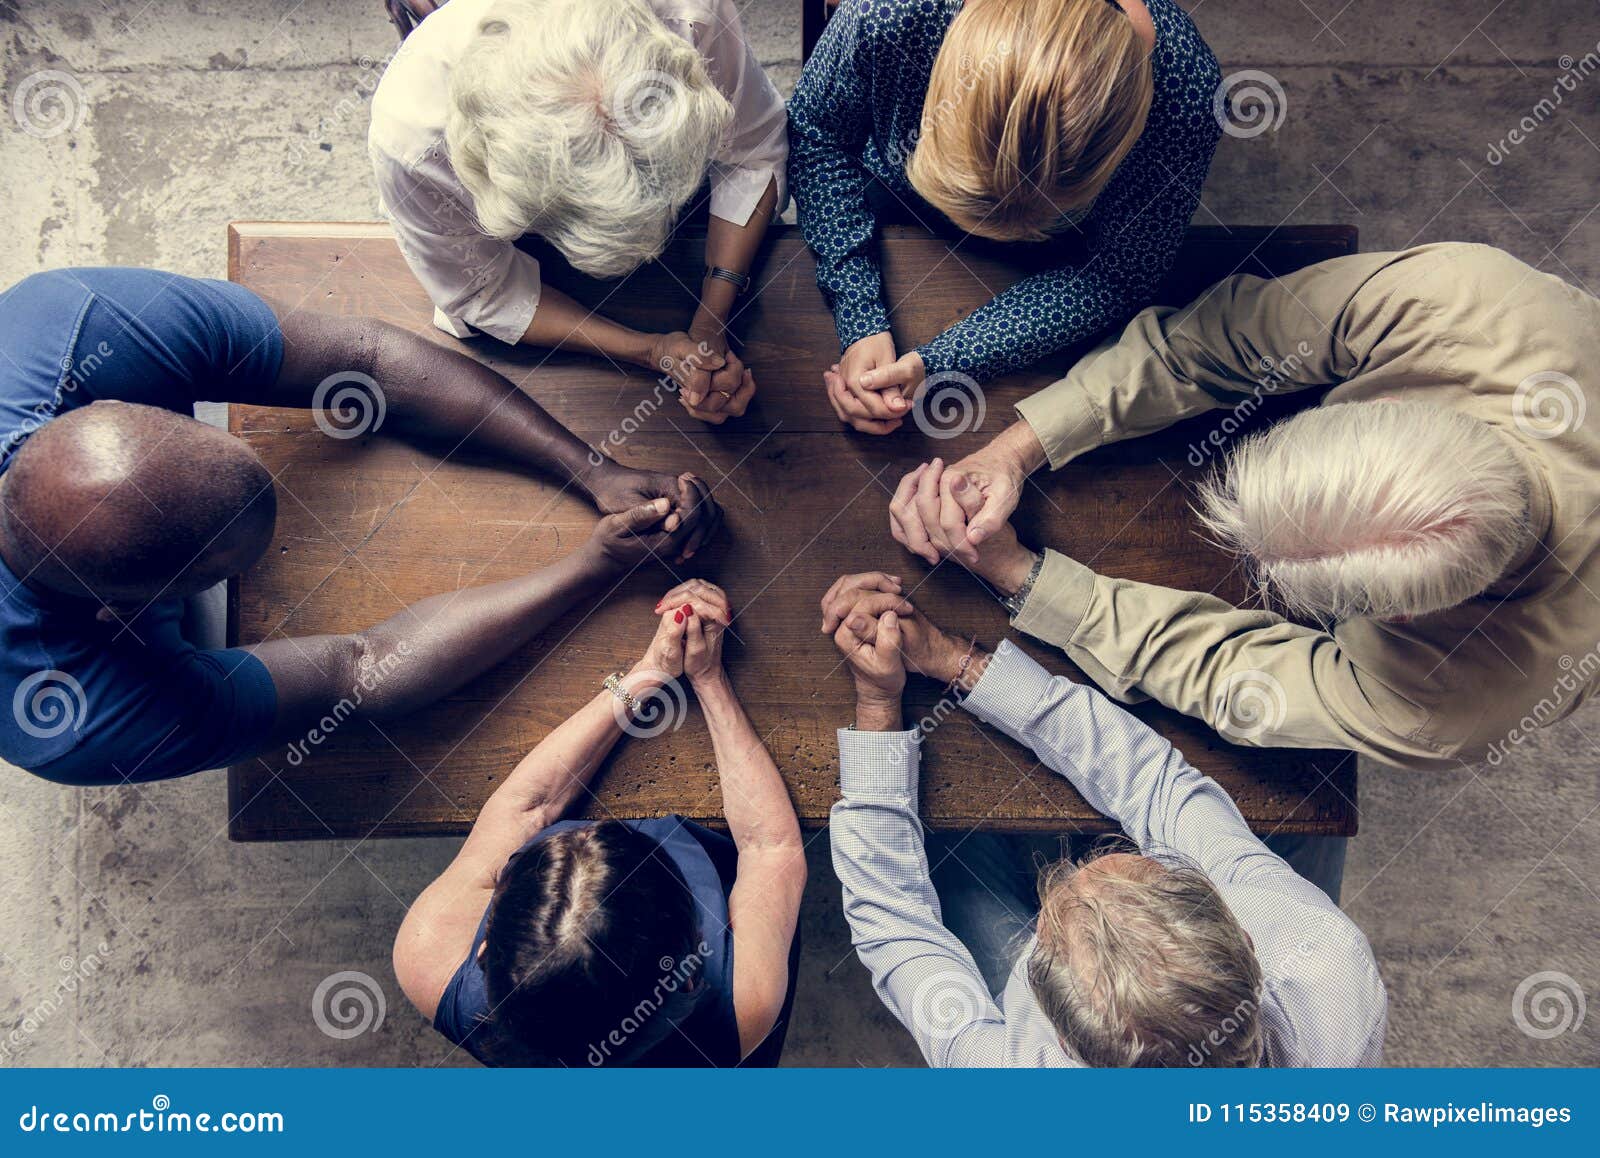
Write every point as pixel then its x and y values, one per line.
pixel 613 684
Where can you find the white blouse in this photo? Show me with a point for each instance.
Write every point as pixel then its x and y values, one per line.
pixel 491 285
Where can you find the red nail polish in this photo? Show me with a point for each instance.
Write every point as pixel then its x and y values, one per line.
pixel 677 617
pixel 688 609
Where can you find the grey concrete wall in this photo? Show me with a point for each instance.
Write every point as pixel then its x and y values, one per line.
pixel 133 933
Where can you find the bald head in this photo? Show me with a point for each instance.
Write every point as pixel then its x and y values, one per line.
pixel 126 503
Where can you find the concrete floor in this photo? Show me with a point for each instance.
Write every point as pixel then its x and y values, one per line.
pixel 133 933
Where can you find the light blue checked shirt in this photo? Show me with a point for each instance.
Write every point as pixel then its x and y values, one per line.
pixel 1323 1003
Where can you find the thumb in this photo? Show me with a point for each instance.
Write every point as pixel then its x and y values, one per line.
pixel 636 519
pixel 888 641
pixel 896 373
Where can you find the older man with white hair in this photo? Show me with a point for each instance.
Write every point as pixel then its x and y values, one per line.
pixel 591 124
pixel 1432 523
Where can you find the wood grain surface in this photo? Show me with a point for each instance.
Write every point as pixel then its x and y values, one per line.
pixel 368 525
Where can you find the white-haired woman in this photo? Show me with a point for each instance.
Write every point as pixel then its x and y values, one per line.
pixel 591 124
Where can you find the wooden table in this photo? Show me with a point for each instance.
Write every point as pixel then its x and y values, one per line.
pixel 366 526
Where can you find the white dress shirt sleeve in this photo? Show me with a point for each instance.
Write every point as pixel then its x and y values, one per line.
pixel 755 151
pixel 471 278
pixel 920 970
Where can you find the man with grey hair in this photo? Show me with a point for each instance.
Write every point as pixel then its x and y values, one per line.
pixel 1201 949
pixel 1432 522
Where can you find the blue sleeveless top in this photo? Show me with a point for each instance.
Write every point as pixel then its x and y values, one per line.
pixel 689 1027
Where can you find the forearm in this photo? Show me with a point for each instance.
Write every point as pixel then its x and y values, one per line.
pixel 731 247
pixel 446 399
pixel 755 800
pixel 563 324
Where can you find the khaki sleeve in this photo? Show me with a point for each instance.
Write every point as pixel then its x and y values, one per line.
pixel 1253 676
pixel 1244 338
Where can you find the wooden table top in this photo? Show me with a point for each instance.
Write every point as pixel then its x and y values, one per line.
pixel 369 525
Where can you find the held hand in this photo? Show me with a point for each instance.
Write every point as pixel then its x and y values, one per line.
pixel 867 410
pixel 862 600
pixel 731 386
pixel 879 670
pixel 616 489
pixel 689 361
pixel 930 516
pixel 979 493
pixel 625 540
pixel 663 659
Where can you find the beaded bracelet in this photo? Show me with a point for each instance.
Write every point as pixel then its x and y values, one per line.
pixel 613 684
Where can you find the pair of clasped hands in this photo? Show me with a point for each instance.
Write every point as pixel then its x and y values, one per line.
pixel 870 388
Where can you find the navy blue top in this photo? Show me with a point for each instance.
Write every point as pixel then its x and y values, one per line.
pixel 682 1027
pixel 854 121
pixel 95 703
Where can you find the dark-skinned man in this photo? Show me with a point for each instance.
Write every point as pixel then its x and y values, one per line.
pixel 116 505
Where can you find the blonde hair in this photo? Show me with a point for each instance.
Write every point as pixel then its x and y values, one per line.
pixel 1145 968
pixel 585 121
pixel 1379 509
pixel 1031 107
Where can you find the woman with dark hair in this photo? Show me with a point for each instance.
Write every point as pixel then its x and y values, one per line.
pixel 640 942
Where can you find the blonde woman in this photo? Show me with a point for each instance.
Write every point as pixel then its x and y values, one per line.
pixel 592 124
pixel 1085 125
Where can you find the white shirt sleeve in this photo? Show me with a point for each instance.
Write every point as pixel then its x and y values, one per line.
pixel 755 151
pixel 470 277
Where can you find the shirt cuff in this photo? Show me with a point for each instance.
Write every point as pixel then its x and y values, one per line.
pixel 506 311
pixel 1064 419
pixel 879 765
pixel 1055 608
pixel 1011 685
pixel 735 192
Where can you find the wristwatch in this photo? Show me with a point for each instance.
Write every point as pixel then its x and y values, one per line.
pixel 740 280
pixel 1013 603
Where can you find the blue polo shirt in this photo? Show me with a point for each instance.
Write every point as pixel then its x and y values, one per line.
pixel 97 703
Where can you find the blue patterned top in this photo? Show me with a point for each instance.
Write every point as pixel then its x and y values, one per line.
pixel 855 116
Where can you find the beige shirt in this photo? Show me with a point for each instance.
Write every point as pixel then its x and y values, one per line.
pixel 482 282
pixel 1461 326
